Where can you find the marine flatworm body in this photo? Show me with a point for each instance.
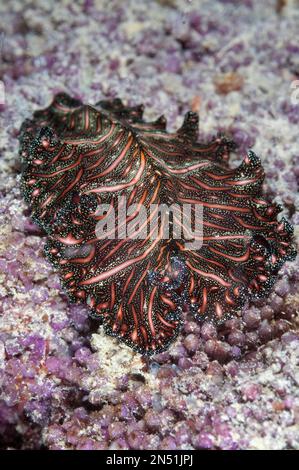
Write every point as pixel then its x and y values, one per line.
pixel 77 157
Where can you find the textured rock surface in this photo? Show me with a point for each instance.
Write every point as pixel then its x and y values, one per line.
pixel 63 384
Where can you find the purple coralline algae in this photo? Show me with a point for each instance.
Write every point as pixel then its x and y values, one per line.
pixel 64 384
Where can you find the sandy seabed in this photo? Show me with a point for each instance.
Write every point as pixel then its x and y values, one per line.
pixel 64 384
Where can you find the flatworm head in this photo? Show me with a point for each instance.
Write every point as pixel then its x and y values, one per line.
pixel 77 158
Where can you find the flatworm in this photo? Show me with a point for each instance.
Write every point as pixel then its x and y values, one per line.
pixel 76 157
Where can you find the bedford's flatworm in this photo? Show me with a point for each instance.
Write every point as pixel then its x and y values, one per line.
pixel 77 156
